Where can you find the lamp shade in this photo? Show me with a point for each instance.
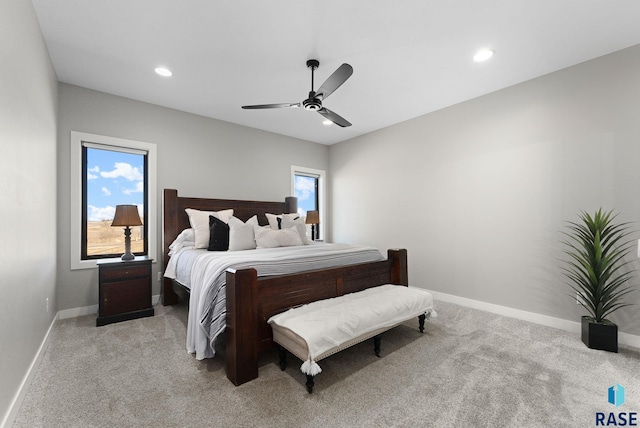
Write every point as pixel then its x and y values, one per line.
pixel 313 217
pixel 126 215
pixel 291 204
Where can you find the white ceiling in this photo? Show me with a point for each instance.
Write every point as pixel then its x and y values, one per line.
pixel 409 57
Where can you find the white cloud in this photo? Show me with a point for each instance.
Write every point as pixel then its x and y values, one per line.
pixel 125 170
pixel 95 169
pixel 100 213
pixel 106 191
pixel 108 212
pixel 305 187
pixel 138 189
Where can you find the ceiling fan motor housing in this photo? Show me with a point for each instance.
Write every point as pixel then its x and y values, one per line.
pixel 312 103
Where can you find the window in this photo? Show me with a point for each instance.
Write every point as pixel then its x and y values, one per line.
pixel 307 185
pixel 111 177
pixel 106 172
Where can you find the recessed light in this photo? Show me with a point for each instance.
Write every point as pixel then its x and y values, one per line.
pixel 163 72
pixel 327 122
pixel 483 55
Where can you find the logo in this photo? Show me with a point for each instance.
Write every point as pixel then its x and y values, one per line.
pixel 616 395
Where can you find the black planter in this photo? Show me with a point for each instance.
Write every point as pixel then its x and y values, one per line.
pixel 599 336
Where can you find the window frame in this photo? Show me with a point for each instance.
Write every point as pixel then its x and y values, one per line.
pixel 86 145
pixel 321 176
pixel 77 139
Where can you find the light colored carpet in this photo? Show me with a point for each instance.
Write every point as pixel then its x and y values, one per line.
pixel 469 369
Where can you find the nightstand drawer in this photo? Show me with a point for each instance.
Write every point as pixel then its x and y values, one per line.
pixel 124 273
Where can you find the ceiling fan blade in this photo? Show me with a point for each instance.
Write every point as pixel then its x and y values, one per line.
pixel 334 81
pixel 334 117
pixel 261 106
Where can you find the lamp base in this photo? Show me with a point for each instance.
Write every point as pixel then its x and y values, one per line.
pixel 127 245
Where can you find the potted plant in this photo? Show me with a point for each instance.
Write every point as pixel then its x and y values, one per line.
pixel 599 274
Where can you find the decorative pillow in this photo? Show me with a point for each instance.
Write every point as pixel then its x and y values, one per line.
pixel 273 219
pixel 269 238
pixel 199 221
pixel 218 235
pixel 298 223
pixel 241 235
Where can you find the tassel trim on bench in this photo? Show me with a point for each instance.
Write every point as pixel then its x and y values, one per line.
pixel 310 368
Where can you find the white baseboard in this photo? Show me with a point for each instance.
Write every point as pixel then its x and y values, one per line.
pixel 77 312
pixel 14 407
pixel 570 326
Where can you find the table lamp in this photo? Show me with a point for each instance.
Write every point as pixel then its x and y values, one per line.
pixel 313 218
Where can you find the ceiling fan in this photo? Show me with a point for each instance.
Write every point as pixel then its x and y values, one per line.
pixel 314 102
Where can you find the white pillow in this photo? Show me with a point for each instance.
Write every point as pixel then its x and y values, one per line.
pixel 298 223
pixel 269 238
pixel 273 219
pixel 199 221
pixel 185 239
pixel 241 235
pixel 186 235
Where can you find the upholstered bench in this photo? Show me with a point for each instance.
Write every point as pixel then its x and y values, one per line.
pixel 319 329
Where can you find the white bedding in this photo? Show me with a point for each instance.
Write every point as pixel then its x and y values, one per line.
pixel 207 304
pixel 181 271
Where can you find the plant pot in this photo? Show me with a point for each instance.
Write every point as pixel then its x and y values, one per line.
pixel 599 336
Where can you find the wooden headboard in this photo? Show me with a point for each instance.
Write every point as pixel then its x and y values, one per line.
pixel 175 219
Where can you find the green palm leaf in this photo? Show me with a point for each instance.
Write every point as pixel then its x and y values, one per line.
pixel 596 268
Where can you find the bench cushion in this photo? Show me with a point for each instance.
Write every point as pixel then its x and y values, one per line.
pixel 314 331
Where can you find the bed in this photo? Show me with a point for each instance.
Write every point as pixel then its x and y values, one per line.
pixel 250 300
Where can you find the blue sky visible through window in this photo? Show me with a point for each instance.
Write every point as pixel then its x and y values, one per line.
pixel 305 188
pixel 113 178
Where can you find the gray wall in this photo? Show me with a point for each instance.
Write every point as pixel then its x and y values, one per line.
pixel 28 92
pixel 199 156
pixel 478 192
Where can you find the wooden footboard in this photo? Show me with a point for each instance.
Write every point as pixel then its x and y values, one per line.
pixel 251 301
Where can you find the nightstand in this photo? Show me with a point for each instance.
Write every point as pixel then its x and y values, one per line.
pixel 124 290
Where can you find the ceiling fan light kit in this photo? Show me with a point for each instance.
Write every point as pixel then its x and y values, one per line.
pixel 315 99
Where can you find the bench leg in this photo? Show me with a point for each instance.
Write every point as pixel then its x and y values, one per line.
pixel 282 353
pixel 310 383
pixel 421 319
pixel 376 344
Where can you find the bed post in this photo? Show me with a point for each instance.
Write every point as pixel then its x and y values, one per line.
pixel 399 273
pixel 241 334
pixel 170 229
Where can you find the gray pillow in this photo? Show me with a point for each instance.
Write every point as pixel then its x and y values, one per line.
pixel 241 235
